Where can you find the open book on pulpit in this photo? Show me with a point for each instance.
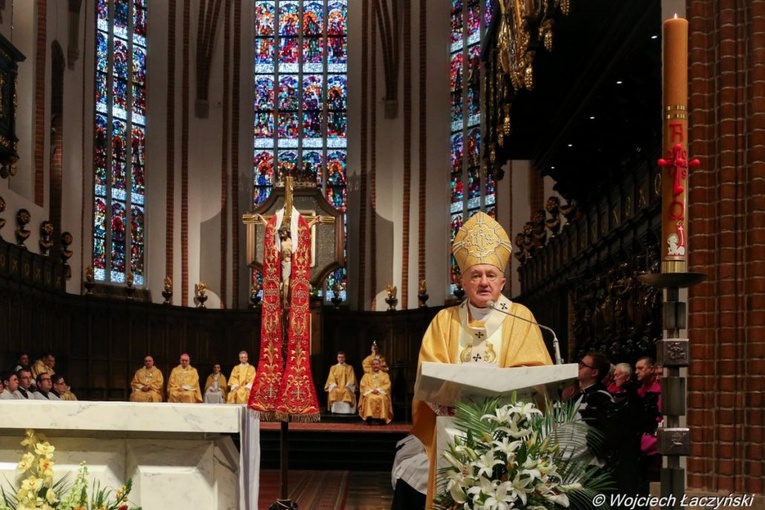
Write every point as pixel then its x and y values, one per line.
pixel 445 384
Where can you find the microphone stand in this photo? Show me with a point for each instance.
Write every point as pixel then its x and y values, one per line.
pixel 556 344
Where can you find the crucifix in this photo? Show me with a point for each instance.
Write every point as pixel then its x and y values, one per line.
pixel 293 250
pixel 286 243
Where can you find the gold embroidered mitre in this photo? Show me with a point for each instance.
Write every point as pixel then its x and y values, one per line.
pixel 481 240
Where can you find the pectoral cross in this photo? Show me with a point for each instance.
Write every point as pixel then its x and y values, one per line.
pixel 477 358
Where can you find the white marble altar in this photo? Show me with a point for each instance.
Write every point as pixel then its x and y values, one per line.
pixel 178 455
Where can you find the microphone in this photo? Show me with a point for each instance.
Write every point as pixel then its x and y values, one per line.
pixel 556 345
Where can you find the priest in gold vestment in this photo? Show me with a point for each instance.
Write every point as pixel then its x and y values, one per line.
pixel 183 384
pixel 374 396
pixel 240 382
pixel 341 387
pixel 147 384
pixel 44 365
pixel 475 331
pixel 215 387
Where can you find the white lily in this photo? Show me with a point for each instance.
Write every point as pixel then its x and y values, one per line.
pixel 558 499
pixel 506 446
pixel 520 487
pixel 503 497
pixel 485 463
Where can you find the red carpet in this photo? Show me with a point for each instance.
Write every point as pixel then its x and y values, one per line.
pixel 340 427
pixel 311 490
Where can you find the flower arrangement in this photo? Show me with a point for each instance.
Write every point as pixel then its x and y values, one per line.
pixel 36 489
pixel 515 456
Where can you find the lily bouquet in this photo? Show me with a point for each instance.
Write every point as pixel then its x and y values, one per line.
pixel 514 456
pixel 36 489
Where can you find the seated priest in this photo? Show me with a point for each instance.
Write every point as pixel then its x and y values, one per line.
pixel 215 387
pixel 341 387
pixel 61 389
pixel 147 384
pixel 486 328
pixel 44 365
pixel 240 382
pixel 44 388
pixel 375 354
pixel 183 384
pixel 374 397
pixel 11 387
pixel 26 390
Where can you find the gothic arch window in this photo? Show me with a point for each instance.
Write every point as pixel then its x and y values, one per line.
pixel 301 96
pixel 470 190
pixel 120 141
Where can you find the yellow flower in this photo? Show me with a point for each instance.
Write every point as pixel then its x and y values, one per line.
pixel 45 469
pixel 45 449
pixel 26 462
pixel 22 495
pixel 29 438
pixel 50 496
pixel 32 484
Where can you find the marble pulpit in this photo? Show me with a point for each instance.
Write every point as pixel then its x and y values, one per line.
pixel 178 455
pixel 445 384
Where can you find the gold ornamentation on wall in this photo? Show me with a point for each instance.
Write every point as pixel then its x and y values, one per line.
pixel 524 26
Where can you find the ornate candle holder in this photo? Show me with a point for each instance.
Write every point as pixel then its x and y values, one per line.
pixel 90 281
pixel 45 242
pixel 336 299
pixel 201 294
pixel 422 294
pixel 22 219
pixel 66 253
pixel 129 289
pixel 167 291
pixel 391 300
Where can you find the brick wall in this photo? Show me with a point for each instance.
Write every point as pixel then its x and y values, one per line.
pixel 727 242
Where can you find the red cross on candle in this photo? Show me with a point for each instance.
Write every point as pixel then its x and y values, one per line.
pixel 677 163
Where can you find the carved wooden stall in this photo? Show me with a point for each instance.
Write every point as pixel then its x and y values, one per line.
pixel 9 59
pixel 587 113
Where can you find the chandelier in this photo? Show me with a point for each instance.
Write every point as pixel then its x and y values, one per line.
pixel 524 26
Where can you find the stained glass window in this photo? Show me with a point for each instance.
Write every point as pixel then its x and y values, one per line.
pixel 301 97
pixel 120 141
pixel 470 190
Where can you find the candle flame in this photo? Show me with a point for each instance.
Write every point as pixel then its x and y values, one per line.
pixel 675 15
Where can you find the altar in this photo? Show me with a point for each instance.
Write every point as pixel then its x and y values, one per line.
pixel 178 455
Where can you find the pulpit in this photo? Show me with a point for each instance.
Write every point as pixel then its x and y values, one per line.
pixel 444 384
